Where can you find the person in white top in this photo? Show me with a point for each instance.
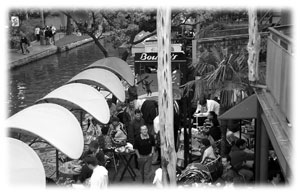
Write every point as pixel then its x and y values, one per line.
pixel 99 178
pixel 209 151
pixel 37 33
pixel 204 106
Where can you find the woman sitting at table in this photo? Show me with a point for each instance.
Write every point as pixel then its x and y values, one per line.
pixel 117 132
pixel 214 129
pixel 208 152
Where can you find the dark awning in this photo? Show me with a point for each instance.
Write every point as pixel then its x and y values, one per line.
pixel 247 109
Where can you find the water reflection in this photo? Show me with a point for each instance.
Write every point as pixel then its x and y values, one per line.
pixel 33 81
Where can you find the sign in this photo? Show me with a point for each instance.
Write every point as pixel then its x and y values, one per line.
pixel 15 21
pixel 146 73
pixel 152 57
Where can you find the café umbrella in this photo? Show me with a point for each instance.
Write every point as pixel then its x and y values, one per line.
pixel 24 165
pixel 117 66
pixel 80 96
pixel 103 79
pixel 53 123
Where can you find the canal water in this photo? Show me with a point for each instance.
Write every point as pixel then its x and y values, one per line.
pixel 33 81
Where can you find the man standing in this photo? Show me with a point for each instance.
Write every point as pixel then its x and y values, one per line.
pixel 135 125
pixel 37 33
pixel 144 148
pixel 53 31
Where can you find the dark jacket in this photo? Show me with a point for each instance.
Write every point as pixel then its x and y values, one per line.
pixel 149 109
pixel 134 129
pixel 238 157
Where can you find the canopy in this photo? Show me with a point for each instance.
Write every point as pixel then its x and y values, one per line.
pixel 24 165
pixel 53 123
pixel 102 78
pixel 76 95
pixel 117 66
pixel 247 109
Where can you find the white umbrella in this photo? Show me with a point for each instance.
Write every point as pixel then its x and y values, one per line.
pixel 102 78
pixel 76 95
pixel 117 66
pixel 53 123
pixel 24 166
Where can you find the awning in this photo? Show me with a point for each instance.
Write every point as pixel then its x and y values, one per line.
pixel 77 95
pixel 53 123
pixel 246 109
pixel 24 165
pixel 117 66
pixel 102 78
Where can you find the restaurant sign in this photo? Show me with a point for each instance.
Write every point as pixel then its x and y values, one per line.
pixel 148 57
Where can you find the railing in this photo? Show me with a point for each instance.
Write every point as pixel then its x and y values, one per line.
pixel 279 64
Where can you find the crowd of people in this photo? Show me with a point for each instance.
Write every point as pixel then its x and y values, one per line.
pixel 136 123
pixel 45 33
pixel 130 124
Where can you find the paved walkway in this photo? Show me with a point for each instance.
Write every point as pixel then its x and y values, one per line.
pixel 16 58
pixel 38 51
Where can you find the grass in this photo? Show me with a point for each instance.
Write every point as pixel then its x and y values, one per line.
pixel 70 39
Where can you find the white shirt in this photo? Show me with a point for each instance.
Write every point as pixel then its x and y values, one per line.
pixel 37 30
pixel 211 105
pixel 156 124
pixel 209 152
pixel 99 178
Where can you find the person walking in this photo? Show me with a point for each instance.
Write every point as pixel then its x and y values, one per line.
pixel 144 148
pixel 24 43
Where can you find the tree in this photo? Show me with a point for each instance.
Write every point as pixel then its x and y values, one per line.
pixel 125 24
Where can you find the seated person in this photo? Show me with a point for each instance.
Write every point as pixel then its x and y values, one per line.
pixel 99 178
pixel 239 157
pixel 85 173
pixel 94 151
pixel 117 132
pixel 214 129
pixel 208 152
pixel 275 177
pixel 104 140
pixel 229 175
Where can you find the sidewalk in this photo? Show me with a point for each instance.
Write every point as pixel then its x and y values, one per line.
pixel 37 51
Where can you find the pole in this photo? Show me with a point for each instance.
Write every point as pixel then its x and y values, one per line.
pixel 165 97
pixel 57 171
pixel 42 17
pixel 253 46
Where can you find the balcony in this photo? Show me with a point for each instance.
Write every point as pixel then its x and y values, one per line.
pixel 279 65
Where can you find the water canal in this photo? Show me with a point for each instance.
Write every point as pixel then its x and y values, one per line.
pixel 33 81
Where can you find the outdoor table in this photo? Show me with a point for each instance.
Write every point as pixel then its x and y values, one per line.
pixel 125 158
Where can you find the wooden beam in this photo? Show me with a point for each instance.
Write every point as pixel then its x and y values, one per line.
pixel 165 97
pixel 253 46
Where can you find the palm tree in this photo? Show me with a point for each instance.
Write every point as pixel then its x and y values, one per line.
pixel 223 75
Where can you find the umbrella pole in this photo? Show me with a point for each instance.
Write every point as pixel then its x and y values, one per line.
pixel 81 118
pixel 57 172
pixel 240 128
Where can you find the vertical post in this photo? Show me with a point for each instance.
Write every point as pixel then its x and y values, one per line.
pixel 264 154
pixel 253 46
pixel 42 17
pixel 165 97
pixel 57 171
